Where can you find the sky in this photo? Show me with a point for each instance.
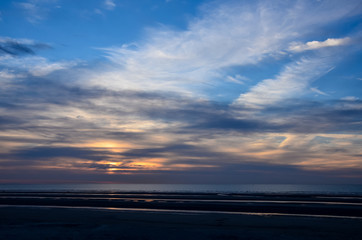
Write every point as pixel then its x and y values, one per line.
pixel 181 91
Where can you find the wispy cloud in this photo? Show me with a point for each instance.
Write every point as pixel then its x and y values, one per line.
pixel 10 74
pixel 316 90
pixel 225 35
pixel 19 56
pixel 109 4
pixel 330 42
pixel 350 98
pixel 237 79
pixel 290 83
pixel 37 10
pixel 36 65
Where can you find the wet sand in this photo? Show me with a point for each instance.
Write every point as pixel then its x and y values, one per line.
pixel 178 216
pixel 330 205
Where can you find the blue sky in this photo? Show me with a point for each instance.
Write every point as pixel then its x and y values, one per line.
pixel 76 28
pixel 174 91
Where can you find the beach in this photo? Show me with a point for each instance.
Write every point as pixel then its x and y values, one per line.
pixel 87 223
pixel 101 215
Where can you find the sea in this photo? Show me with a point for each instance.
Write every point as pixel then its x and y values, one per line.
pixel 327 189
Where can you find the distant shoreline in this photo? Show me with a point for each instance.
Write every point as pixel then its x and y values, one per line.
pixel 284 189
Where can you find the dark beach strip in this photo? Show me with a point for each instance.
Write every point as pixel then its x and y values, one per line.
pixel 298 204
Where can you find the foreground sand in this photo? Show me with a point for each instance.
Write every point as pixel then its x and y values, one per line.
pixel 89 223
pixel 109 215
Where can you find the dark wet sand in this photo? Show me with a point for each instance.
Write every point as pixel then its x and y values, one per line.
pixel 256 203
pixel 178 216
pixel 77 223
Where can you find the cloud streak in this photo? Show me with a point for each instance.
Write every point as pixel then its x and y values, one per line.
pixel 16 47
pixel 313 45
pixel 18 56
pixel 290 83
pixel 37 10
pixel 109 4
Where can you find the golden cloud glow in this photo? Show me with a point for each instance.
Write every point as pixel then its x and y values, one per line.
pixel 109 145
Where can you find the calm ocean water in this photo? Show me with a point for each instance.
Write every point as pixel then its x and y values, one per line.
pixel 230 188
